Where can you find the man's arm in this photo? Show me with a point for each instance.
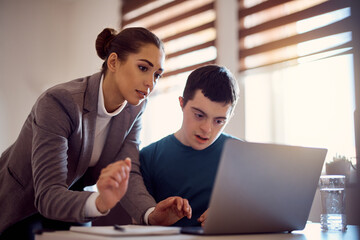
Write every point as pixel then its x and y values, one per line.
pixel 169 211
pixel 203 218
pixel 138 201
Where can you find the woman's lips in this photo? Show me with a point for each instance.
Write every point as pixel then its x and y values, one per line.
pixel 141 94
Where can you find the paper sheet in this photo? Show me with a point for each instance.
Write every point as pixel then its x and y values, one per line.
pixel 126 230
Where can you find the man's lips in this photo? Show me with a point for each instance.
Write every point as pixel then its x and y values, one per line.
pixel 202 139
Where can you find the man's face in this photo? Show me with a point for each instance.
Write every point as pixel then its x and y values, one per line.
pixel 203 121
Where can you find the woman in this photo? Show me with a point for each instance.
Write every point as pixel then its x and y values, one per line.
pixel 80 133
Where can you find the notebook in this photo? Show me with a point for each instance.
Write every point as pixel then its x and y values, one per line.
pixel 262 188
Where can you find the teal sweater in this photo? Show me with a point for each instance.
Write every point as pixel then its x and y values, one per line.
pixel 170 168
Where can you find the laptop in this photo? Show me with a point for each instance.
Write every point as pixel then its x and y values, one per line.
pixel 262 188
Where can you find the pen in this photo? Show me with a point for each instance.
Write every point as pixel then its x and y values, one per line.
pixel 119 228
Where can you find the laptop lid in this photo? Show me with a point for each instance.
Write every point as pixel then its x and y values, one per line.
pixel 261 188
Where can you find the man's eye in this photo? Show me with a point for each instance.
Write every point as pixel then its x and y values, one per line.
pixel 198 115
pixel 142 68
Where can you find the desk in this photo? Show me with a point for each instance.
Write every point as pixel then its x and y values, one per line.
pixel 311 232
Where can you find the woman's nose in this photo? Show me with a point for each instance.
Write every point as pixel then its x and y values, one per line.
pixel 149 82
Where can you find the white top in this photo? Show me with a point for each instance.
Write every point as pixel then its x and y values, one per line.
pixel 101 131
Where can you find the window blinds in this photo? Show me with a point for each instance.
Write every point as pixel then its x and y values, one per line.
pixel 187 29
pixel 278 31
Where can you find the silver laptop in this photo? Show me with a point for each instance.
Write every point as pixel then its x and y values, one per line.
pixel 262 188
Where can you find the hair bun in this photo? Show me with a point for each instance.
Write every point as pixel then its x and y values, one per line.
pixel 103 41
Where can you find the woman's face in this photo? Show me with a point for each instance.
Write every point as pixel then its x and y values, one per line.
pixel 136 77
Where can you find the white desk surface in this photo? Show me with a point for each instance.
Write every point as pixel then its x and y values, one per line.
pixel 311 232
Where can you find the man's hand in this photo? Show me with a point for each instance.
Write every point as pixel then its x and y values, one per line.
pixel 169 211
pixel 203 217
pixel 112 184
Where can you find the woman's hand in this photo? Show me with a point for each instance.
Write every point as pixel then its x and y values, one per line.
pixel 112 184
pixel 169 211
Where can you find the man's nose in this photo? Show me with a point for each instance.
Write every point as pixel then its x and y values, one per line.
pixel 206 126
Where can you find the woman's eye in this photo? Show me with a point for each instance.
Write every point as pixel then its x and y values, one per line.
pixel 157 75
pixel 142 68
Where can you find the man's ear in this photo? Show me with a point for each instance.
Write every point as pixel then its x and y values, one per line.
pixel 112 61
pixel 181 101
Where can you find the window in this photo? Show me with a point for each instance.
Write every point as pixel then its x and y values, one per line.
pixel 296 59
pixel 187 29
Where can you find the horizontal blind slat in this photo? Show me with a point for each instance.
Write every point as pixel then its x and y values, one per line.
pixel 152 12
pixel 183 16
pixel 131 5
pixel 189 68
pixel 307 13
pixel 190 31
pixel 259 7
pixel 347 45
pixel 191 49
pixel 338 27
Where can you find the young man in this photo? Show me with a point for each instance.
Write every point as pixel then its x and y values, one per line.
pixel 179 170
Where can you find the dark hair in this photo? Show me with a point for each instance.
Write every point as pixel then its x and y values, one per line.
pixel 128 41
pixel 216 83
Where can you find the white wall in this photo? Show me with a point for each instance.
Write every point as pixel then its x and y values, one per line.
pixel 227 50
pixel 43 43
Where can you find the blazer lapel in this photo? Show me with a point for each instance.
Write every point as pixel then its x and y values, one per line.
pixel 88 122
pixel 117 133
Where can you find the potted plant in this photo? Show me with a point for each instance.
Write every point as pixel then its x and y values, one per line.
pixel 340 165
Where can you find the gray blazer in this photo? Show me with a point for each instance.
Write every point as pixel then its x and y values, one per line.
pixel 53 152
